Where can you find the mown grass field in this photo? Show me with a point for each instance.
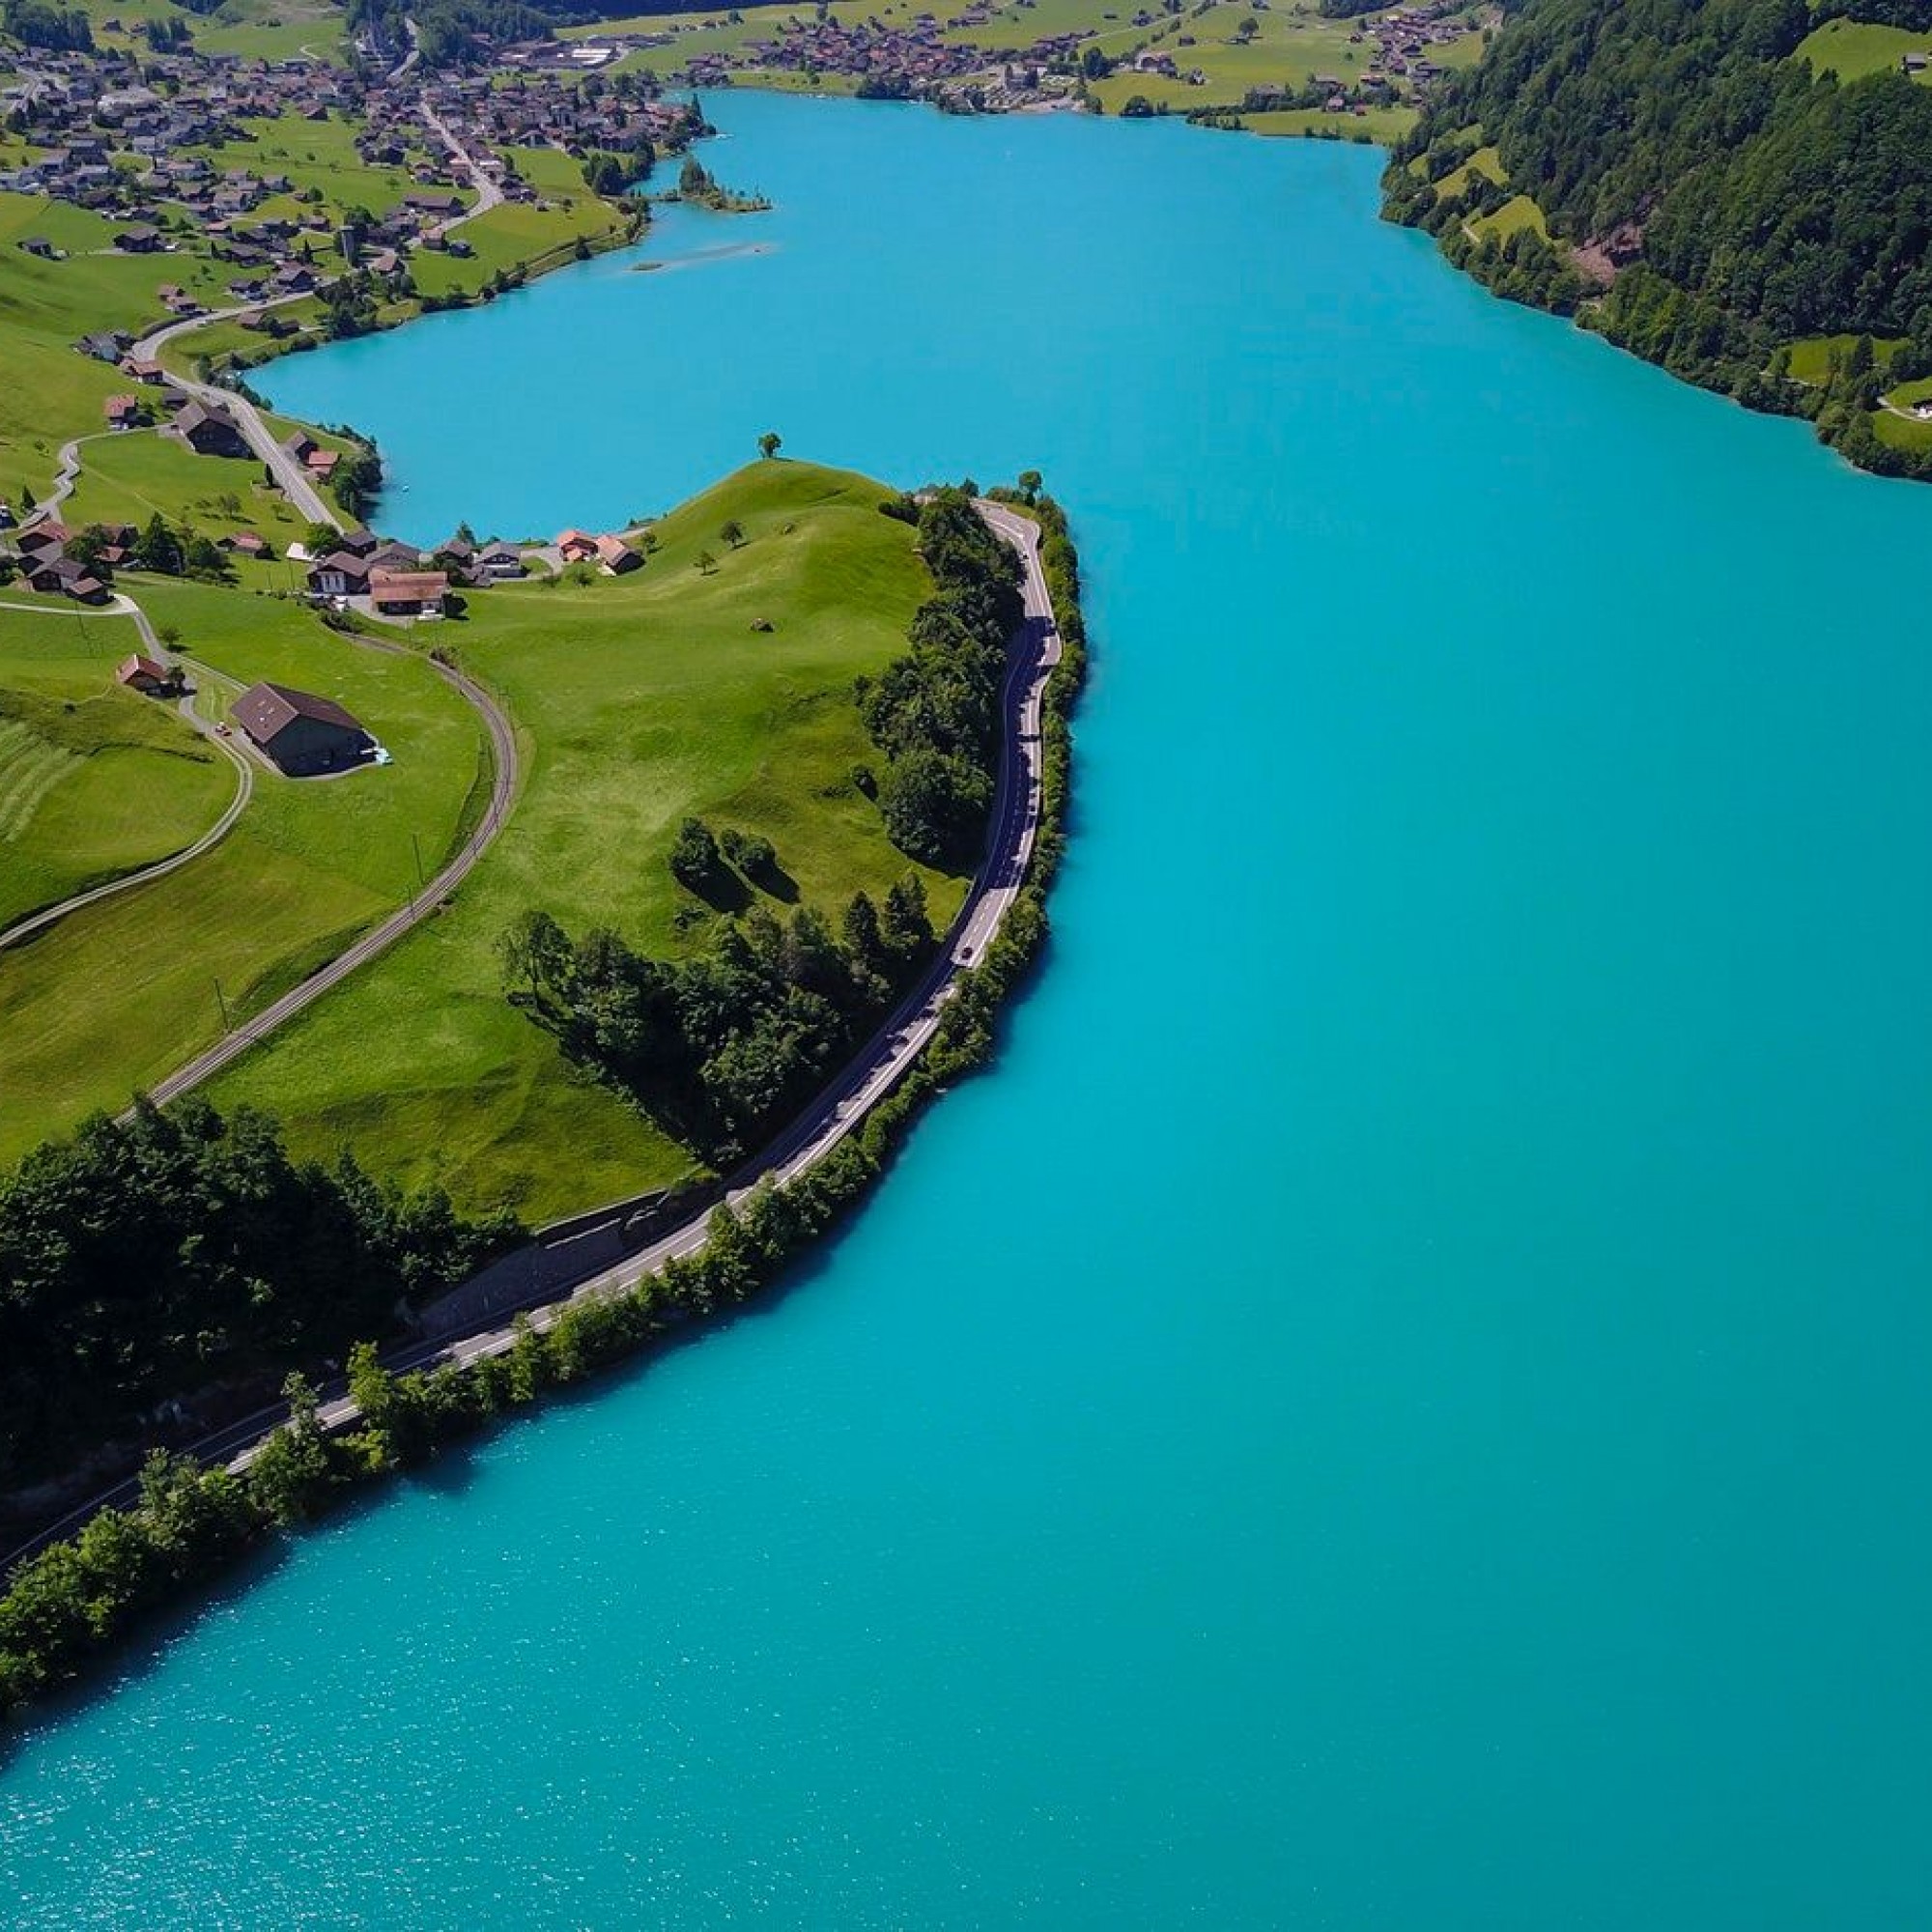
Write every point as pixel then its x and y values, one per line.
pixel 642 701
pixel 1378 124
pixel 1811 357
pixel 128 478
pixel 1518 213
pixel 95 781
pixel 276 30
pixel 1852 49
pixel 123 992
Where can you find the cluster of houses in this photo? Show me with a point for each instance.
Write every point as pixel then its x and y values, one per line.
pixel 45 567
pixel 611 554
pixel 915 56
pixel 1404 37
pixel 84 110
pixel 41 556
pixel 82 113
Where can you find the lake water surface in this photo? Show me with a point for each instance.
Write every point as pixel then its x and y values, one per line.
pixel 1401 1401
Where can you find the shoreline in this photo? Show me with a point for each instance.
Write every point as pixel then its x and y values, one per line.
pixel 401 1409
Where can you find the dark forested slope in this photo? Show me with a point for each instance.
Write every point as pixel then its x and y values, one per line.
pixel 1708 201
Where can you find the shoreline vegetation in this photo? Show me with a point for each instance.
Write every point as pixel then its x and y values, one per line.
pixel 68 1607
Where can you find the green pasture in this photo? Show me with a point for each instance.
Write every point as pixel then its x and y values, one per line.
pixel 641 701
pixel 120 994
pixel 1812 357
pixel 95 781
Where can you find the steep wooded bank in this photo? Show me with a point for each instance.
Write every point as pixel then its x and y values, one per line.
pixel 1673 172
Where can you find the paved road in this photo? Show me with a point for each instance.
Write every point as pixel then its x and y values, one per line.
pixel 488 194
pixel 292 479
pixel 67 475
pixel 244 790
pixel 837 1112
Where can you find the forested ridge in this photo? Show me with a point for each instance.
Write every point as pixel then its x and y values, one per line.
pixel 1710 200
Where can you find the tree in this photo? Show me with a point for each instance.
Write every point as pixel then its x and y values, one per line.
pixel 158 548
pixel 706 563
pixel 770 444
pixel 292 1472
pixel 752 854
pixel 906 926
pixel 533 951
pixel 733 532
pixel 694 854
pixel 1031 484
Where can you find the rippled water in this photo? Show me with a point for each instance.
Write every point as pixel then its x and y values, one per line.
pixel 1401 1402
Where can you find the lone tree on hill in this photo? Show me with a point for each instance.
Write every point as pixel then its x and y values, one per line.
pixel 733 532
pixel 706 562
pixel 770 444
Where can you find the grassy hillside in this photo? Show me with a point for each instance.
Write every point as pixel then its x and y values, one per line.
pixel 95 781
pixel 308 866
pixel 51 392
pixel 642 701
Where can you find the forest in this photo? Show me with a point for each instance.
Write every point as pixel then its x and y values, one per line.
pixel 148 1258
pixel 1732 201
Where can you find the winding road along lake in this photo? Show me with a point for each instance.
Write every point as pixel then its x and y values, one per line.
pixel 1402 1402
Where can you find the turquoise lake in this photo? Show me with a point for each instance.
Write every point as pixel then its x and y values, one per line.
pixel 1401 1399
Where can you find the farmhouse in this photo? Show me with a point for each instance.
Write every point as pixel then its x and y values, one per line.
pixel 57 575
pixel 209 432
pixel 303 734
pixel 143 674
pixel 408 593
pixel 576 546
pixel 616 556
pixel 121 411
pixel 340 574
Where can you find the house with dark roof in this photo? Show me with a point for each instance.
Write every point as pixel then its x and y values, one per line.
pixel 209 432
pixel 55 576
pixel 340 574
pixel 302 733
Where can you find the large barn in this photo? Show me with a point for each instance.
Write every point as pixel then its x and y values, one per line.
pixel 302 733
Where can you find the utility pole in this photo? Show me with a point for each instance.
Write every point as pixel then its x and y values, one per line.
pixel 415 844
pixel 227 1025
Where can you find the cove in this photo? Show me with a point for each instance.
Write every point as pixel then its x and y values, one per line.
pixel 1400 1401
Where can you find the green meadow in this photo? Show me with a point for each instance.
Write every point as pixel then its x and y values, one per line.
pixel 95 781
pixel 641 701
pixel 309 865
pixel 1852 49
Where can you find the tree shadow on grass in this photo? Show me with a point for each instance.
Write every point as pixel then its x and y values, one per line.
pixel 723 891
pixel 774 882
